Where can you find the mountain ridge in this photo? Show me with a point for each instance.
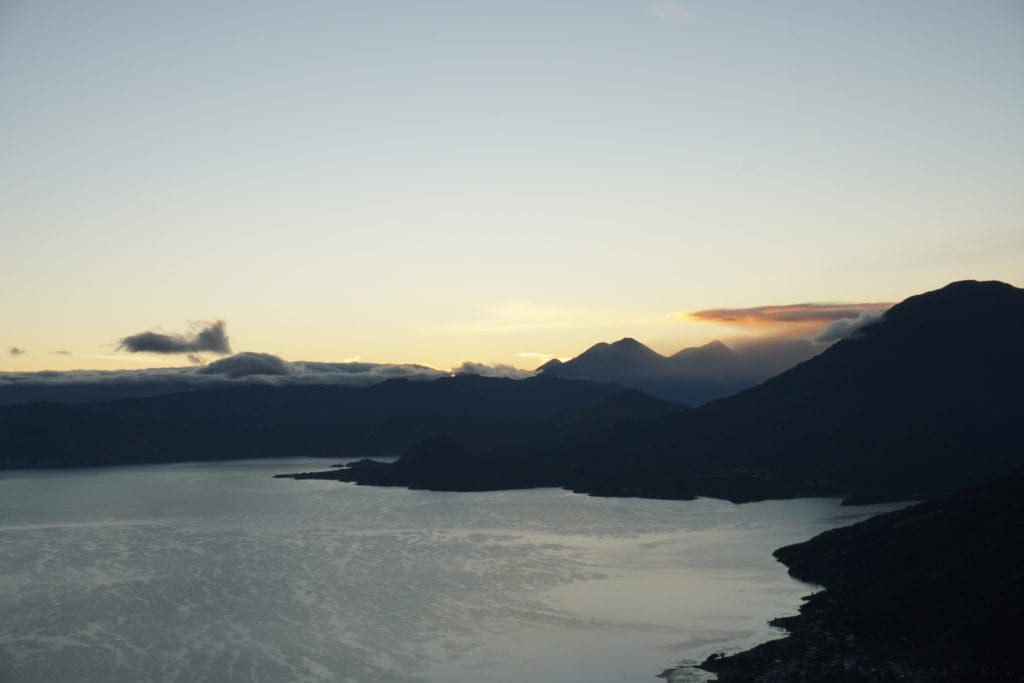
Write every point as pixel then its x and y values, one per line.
pixel 330 421
pixel 924 401
pixel 693 375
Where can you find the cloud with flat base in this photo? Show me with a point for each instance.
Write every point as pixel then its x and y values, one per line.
pixel 206 337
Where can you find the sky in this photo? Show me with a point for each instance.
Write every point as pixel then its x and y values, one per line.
pixel 436 182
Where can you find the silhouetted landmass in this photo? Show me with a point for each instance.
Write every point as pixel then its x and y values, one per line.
pixel 934 592
pixel 331 421
pixel 922 403
pixel 442 461
pixel 12 394
pixel 692 376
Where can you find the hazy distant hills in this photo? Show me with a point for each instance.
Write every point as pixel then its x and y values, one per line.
pixel 934 590
pixel 928 400
pixel 692 376
pixel 257 420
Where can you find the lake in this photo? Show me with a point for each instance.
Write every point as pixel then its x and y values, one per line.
pixel 218 572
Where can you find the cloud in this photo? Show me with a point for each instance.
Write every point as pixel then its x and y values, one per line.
pixel 848 328
pixel 543 357
pixel 672 11
pixel 209 337
pixel 250 363
pixel 243 368
pixel 495 370
pixel 788 313
pixel 514 316
pixel 60 352
pixel 523 316
pixel 16 351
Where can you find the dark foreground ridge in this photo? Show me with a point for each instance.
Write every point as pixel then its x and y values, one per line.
pixel 331 421
pixel 925 402
pixel 934 592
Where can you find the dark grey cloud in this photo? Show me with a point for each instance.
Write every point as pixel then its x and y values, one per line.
pixel 16 351
pixel 848 328
pixel 211 337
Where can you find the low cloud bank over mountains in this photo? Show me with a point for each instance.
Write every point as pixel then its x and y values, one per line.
pixel 242 368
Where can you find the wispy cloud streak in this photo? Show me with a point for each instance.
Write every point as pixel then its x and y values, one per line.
pixel 789 313
pixel 671 11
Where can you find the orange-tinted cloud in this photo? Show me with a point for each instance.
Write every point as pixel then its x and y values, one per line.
pixel 788 313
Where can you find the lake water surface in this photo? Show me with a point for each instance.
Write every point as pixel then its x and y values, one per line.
pixel 218 572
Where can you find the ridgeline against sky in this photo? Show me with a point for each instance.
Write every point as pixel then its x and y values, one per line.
pixel 500 182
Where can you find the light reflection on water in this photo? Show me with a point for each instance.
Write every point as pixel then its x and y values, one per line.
pixel 219 572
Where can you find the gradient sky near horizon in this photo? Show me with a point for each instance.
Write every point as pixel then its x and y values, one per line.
pixel 442 181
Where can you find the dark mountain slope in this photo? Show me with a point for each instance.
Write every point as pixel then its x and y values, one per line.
pixel 924 402
pixel 462 396
pixel 933 592
pixel 335 421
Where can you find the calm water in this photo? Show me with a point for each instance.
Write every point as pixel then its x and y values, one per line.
pixel 218 572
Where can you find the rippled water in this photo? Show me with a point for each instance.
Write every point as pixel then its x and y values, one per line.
pixel 218 572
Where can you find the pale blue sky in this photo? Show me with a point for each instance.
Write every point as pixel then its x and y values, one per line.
pixel 441 181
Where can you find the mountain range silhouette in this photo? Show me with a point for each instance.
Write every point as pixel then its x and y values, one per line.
pixel 925 401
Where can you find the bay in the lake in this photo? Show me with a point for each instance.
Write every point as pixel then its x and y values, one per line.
pixel 218 572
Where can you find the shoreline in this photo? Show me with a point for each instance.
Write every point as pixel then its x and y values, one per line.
pixel 929 593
